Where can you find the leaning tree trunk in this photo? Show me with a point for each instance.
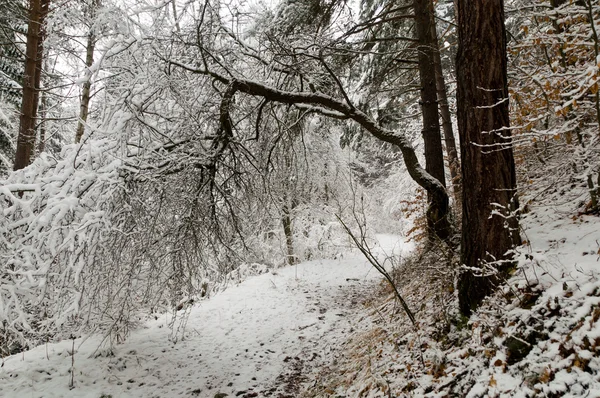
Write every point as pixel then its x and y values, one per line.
pixel 31 84
pixel 332 107
pixel 437 220
pixel 489 228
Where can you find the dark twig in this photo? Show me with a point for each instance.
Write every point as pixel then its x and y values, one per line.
pixel 366 251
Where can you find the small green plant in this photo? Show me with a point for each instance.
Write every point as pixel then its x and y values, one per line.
pixel 460 321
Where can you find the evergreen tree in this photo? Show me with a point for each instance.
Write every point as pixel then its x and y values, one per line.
pixel 12 27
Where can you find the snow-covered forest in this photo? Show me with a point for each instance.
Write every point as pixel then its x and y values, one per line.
pixel 300 198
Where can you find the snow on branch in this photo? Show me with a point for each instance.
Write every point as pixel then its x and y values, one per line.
pixel 55 219
pixel 341 109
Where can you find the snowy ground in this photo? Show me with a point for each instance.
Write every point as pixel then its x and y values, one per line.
pixel 538 336
pixel 260 338
pixel 323 329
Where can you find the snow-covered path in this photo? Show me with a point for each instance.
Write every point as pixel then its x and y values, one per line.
pixel 250 340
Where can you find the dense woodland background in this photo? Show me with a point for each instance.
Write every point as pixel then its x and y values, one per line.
pixel 149 149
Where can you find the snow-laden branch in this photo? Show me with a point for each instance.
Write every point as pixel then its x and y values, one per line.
pixel 319 101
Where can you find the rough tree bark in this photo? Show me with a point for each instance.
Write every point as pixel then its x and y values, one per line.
pixel 437 220
pixel 489 181
pixel 31 83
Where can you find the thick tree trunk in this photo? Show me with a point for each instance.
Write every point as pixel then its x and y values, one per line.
pixel 87 85
pixel 489 181
pixel 437 220
pixel 449 140
pixel 31 84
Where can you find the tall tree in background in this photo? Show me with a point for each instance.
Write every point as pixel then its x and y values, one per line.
pixel 437 220
pixel 403 72
pixel 31 83
pixel 446 118
pixel 489 227
pixel 90 13
pixel 12 28
pixel 11 62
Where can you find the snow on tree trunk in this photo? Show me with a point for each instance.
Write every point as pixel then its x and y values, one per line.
pixel 490 227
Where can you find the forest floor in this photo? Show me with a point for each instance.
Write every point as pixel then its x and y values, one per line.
pixel 261 337
pixel 330 329
pixel 538 336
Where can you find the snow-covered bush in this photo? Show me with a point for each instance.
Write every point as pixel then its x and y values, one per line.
pixel 86 245
pixel 57 220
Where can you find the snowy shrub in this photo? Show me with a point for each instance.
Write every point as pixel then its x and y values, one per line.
pixel 91 241
pixel 85 246
pixel 7 129
pixel 56 223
